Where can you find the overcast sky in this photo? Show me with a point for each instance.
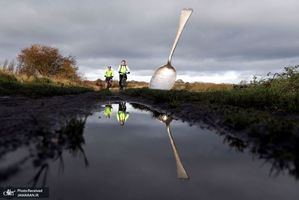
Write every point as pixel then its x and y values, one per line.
pixel 224 40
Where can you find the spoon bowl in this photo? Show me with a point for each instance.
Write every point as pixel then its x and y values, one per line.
pixel 163 78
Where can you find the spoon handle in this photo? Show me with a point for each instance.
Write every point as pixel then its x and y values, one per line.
pixel 181 172
pixel 185 14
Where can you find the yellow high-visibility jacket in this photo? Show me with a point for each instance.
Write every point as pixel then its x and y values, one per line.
pixel 108 111
pixel 109 73
pixel 122 116
pixel 123 69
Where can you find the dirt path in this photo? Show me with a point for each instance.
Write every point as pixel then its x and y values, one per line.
pixel 23 114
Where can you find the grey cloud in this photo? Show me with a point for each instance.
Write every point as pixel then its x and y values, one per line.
pixel 221 35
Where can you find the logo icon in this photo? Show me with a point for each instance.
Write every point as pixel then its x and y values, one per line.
pixel 9 193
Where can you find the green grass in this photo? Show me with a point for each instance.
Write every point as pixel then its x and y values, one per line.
pixel 277 94
pixel 11 85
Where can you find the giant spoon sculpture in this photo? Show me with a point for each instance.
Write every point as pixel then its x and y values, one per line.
pixel 165 76
pixel 181 172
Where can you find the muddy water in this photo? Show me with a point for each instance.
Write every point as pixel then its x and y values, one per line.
pixel 105 157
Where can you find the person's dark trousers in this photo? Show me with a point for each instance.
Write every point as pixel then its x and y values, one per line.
pixel 108 81
pixel 121 76
pixel 122 106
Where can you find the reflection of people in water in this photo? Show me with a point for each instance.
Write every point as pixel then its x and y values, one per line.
pixel 108 110
pixel 122 114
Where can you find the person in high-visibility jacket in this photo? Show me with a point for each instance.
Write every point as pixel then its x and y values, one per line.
pixel 123 70
pixel 108 111
pixel 122 114
pixel 109 76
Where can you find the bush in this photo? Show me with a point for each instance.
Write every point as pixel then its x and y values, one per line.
pixel 40 60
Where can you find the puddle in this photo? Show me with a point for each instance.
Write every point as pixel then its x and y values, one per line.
pixel 123 151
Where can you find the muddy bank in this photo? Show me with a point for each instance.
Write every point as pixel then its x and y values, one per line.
pixel 224 119
pixel 23 115
pixel 25 120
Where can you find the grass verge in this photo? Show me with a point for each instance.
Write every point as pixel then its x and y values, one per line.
pixel 280 93
pixel 10 84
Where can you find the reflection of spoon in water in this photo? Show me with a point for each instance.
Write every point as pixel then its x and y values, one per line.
pixel 165 76
pixel 181 172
